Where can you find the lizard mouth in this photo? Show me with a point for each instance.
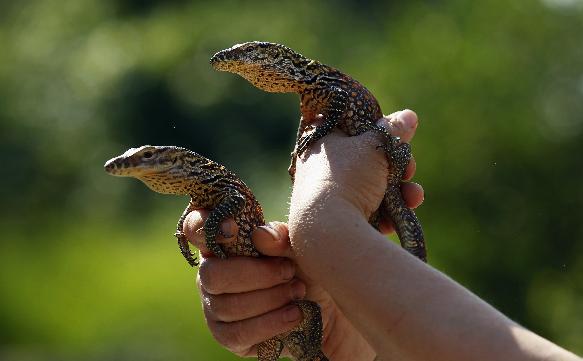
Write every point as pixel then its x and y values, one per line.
pixel 215 60
pixel 123 168
pixel 230 61
pixel 227 65
pixel 128 167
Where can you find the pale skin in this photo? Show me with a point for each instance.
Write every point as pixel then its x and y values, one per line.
pixel 377 300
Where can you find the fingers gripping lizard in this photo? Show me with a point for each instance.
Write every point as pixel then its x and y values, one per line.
pixel 230 204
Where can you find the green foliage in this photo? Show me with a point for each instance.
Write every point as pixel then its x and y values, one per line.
pixel 88 266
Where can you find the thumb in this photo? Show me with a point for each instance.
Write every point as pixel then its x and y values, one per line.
pixel 272 239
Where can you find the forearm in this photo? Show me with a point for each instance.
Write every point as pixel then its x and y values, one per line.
pixel 404 308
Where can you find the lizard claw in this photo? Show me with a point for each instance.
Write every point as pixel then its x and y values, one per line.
pixel 185 249
pixel 302 146
pixel 192 261
pixel 217 250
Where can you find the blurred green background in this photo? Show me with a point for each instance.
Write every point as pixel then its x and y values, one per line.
pixel 88 265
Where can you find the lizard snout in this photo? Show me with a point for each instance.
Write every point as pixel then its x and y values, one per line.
pixel 217 59
pixel 111 166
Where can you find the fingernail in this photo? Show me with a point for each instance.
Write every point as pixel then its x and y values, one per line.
pixel 267 228
pixel 298 290
pixel 288 270
pixel 292 314
pixel 408 118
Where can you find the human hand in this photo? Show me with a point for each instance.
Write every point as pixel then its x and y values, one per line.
pixel 353 170
pixel 246 300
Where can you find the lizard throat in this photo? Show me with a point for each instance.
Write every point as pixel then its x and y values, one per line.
pixel 162 183
pixel 272 82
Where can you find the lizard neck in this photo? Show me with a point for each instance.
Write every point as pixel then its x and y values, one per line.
pixel 168 182
pixel 186 180
pixel 288 76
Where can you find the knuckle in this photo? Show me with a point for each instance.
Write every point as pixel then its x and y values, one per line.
pixel 198 283
pixel 273 321
pixel 231 336
pixel 209 304
pixel 193 224
pixel 243 353
pixel 210 276
pixel 248 352
pixel 229 306
pixel 221 334
pixel 238 336
pixel 224 307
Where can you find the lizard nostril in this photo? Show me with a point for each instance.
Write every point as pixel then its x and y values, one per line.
pixel 108 166
pixel 217 58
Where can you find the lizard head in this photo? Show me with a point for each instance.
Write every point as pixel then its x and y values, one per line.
pixel 161 168
pixel 269 66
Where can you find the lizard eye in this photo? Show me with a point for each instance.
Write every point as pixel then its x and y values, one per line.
pixel 147 155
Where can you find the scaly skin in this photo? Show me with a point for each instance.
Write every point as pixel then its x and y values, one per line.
pixel 343 103
pixel 175 170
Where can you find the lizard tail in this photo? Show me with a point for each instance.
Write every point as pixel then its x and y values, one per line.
pixel 407 225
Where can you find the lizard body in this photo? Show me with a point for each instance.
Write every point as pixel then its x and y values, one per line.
pixel 342 102
pixel 175 170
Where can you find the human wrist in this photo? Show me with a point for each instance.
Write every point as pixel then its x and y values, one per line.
pixel 346 343
pixel 321 223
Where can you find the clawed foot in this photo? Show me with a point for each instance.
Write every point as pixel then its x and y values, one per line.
pixel 303 144
pixel 185 249
pixel 292 174
pixel 217 250
pixel 292 167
